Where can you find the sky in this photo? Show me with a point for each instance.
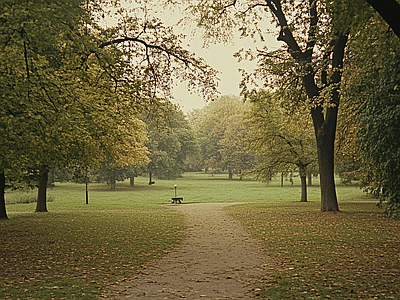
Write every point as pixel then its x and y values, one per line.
pixel 218 56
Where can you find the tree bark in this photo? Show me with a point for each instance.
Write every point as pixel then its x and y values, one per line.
pixel 230 174
pixel 309 179
pixel 282 179
pixel 389 11
pixel 132 181
pixel 326 131
pixel 3 212
pixel 303 188
pixel 41 204
pixel 303 179
pixel 324 123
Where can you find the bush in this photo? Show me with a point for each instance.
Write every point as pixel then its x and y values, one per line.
pixel 25 198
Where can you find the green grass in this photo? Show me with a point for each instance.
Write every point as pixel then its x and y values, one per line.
pixel 76 254
pixel 353 254
pixel 77 250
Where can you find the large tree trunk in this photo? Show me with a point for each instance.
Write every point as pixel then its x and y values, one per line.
pixel 113 184
pixel 41 204
pixel 325 147
pixel 389 11
pixel 132 181
pixel 230 174
pixel 3 213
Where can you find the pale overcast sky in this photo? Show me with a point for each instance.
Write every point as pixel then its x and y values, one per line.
pixel 219 56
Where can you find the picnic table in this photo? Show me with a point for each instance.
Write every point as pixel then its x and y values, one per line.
pixel 177 199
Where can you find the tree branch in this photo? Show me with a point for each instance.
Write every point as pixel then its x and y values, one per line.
pixel 186 62
pixel 389 11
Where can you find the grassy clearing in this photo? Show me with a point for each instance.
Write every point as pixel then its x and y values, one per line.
pixel 76 250
pixel 349 255
pixel 73 254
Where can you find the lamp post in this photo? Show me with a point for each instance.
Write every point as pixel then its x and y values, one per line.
pixel 175 190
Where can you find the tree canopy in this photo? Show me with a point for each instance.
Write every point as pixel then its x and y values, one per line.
pixel 372 100
pixel 73 90
pixel 283 140
pixel 219 131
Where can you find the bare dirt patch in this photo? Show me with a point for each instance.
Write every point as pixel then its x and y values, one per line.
pixel 218 260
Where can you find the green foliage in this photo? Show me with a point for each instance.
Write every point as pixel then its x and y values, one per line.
pixel 348 255
pixel 220 134
pixel 61 104
pixel 374 96
pixel 284 140
pixel 170 141
pixel 73 90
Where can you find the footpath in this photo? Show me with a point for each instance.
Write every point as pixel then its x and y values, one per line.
pixel 218 260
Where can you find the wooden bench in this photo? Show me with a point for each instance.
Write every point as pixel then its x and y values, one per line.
pixel 177 200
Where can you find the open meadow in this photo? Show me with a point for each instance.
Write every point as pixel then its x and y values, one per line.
pixel 76 250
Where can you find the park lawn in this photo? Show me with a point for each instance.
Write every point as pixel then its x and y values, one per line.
pixel 353 254
pixel 77 254
pixel 77 250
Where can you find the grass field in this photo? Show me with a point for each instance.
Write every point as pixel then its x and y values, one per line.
pixel 77 250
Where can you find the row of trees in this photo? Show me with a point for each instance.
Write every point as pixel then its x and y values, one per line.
pixel 74 93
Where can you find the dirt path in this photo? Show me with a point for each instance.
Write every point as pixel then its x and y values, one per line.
pixel 218 260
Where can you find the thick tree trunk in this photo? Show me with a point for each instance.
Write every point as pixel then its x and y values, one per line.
pixel 324 123
pixel 325 145
pixel 113 181
pixel 132 181
pixel 41 204
pixel 389 11
pixel 3 212
pixel 230 174
pixel 325 131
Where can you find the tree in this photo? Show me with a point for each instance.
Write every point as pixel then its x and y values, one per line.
pixel 283 139
pixel 315 35
pixel 219 131
pixel 234 155
pixel 111 173
pixel 170 142
pixel 390 11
